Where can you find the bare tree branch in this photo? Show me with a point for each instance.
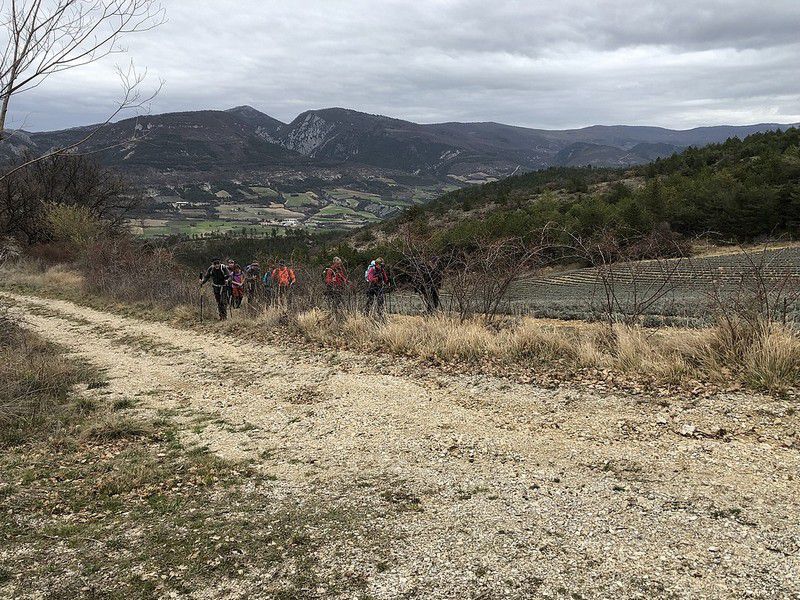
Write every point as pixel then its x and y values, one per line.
pixel 44 37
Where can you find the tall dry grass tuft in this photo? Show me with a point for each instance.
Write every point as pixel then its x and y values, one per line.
pixel 399 335
pixel 470 341
pixel 533 341
pixel 313 324
pixel 37 275
pixel 355 330
pixel 268 317
pixel 772 361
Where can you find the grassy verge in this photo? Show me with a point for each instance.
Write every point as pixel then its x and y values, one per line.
pixel 757 356
pixel 763 358
pixel 36 387
pixel 100 499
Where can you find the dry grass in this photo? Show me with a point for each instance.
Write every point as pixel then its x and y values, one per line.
pixel 32 274
pixel 765 358
pixel 36 388
pixel 541 342
pixel 113 427
pixel 773 360
pixel 762 356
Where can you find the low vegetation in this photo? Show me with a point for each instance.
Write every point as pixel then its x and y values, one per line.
pixel 101 499
pixel 748 349
pixel 36 384
pixel 766 358
pixel 739 190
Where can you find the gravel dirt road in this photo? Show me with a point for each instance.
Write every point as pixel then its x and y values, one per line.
pixel 489 488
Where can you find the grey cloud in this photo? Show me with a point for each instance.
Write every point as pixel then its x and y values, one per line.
pixel 555 63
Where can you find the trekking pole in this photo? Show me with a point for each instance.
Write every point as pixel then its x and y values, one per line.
pixel 201 298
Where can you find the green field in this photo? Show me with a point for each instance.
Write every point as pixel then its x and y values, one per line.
pixel 241 212
pixel 304 200
pixel 344 194
pixel 336 211
pixel 193 227
pixel 264 192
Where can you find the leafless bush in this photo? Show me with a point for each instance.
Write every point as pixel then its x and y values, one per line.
pixel 27 196
pixel 749 300
pixel 122 269
pixel 423 268
pixel 635 273
pixel 479 281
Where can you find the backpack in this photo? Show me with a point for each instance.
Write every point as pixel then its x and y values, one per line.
pixel 366 273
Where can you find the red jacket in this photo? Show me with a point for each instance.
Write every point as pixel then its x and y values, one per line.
pixel 335 276
pixel 377 275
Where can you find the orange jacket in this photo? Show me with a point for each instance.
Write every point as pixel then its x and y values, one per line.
pixel 336 277
pixel 283 276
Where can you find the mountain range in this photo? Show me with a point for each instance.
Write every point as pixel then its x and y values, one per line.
pixel 245 139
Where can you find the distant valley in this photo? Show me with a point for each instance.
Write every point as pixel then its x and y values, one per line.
pixel 210 171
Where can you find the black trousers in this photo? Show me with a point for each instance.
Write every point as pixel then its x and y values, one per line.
pixel 377 296
pixel 221 302
pixel 334 297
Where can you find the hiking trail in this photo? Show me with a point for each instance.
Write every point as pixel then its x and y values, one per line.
pixel 504 487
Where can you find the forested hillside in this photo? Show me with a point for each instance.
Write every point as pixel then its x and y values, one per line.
pixel 739 190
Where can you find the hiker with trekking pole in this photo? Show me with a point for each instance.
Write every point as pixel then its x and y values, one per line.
pixel 377 285
pixel 219 276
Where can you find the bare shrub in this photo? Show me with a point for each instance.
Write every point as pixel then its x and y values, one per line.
pixel 479 280
pixel 636 272
pixel 27 198
pixel 423 267
pixel 756 296
pixel 123 269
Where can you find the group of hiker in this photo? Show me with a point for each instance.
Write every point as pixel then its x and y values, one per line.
pixel 231 282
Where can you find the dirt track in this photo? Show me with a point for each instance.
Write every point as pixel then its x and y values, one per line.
pixel 500 489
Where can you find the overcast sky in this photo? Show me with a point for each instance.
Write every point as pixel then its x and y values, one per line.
pixel 544 63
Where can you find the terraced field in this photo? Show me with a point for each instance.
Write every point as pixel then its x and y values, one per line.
pixel 688 286
pixel 327 203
